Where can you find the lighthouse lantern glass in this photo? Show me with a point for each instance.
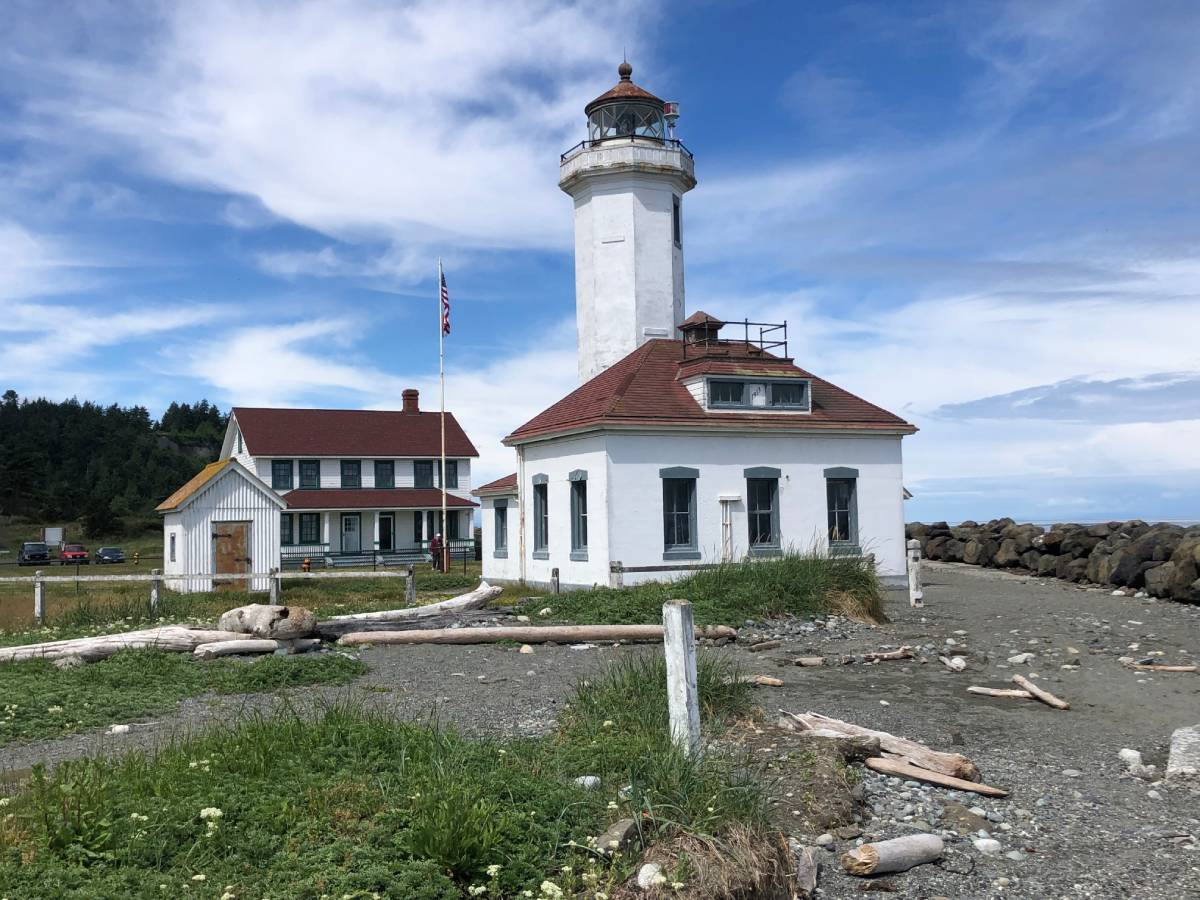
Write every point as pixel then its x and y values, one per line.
pixel 626 120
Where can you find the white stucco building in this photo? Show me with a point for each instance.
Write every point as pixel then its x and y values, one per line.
pixel 690 441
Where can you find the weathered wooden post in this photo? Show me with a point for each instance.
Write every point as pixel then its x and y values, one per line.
pixel 410 588
pixel 554 581
pixel 683 698
pixel 916 596
pixel 274 587
pixel 616 574
pixel 155 590
pixel 39 597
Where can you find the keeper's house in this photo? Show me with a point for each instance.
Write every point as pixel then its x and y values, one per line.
pixel 333 486
pixel 691 441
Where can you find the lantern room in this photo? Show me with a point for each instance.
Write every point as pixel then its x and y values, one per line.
pixel 626 111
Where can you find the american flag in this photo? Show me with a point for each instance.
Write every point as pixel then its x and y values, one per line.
pixel 445 306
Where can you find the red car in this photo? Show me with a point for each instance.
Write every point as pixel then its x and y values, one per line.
pixel 73 554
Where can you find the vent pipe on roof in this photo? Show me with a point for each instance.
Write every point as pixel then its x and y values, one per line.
pixel 410 396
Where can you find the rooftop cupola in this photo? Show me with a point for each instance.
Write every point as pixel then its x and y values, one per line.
pixel 626 110
pixel 627 179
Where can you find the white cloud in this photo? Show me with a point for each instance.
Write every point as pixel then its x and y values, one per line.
pixel 435 121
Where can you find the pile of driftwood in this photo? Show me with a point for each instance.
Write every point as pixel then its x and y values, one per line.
pixel 266 628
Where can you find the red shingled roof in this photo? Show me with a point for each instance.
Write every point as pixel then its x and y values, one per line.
pixel 645 388
pixel 624 89
pixel 505 485
pixel 349 432
pixel 373 498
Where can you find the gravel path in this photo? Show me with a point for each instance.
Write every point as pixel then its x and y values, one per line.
pixel 1077 823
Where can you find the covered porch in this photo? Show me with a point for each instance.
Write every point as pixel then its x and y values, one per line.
pixel 335 527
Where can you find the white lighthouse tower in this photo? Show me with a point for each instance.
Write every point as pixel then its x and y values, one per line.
pixel 627 180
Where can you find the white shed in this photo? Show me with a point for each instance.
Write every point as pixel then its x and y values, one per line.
pixel 223 521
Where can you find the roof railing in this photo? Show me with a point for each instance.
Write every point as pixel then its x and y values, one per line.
pixel 771 336
pixel 669 143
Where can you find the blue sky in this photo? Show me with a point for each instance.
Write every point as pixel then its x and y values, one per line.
pixel 982 216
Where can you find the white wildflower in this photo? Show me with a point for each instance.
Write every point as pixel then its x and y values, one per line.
pixel 211 812
pixel 550 890
pixel 54 709
pixel 198 877
pixel 493 870
pixel 658 879
pixel 477 890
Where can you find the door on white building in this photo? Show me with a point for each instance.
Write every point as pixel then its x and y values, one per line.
pixel 386 540
pixel 351 535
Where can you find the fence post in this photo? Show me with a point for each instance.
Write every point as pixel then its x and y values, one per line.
pixel 916 596
pixel 683 699
pixel 554 581
pixel 274 587
pixel 410 589
pixel 39 597
pixel 155 590
pixel 616 574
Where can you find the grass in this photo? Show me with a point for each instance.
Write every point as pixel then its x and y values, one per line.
pixel 353 804
pixel 38 700
pixel 796 584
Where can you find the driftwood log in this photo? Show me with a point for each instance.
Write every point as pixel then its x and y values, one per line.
pixel 173 638
pixel 1014 693
pixel 269 621
pixel 254 645
pixel 481 596
pixel 1045 696
pixel 1129 663
pixel 526 634
pixel 897 855
pixel 953 764
pixel 902 768
pixel 886 655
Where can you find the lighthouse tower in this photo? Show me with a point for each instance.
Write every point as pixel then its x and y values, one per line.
pixel 627 180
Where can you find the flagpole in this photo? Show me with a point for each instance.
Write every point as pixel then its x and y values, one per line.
pixel 442 379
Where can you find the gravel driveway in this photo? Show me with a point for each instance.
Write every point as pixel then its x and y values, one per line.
pixel 1077 824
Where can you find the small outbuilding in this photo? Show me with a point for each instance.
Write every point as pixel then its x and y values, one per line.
pixel 223 521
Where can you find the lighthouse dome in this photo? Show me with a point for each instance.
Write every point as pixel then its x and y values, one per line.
pixel 625 110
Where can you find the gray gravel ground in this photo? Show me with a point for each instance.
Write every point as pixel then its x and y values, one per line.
pixel 1098 833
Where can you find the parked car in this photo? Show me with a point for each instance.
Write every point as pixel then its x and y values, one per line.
pixel 32 553
pixel 109 555
pixel 73 554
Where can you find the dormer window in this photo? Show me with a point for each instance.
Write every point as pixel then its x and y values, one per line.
pixel 792 394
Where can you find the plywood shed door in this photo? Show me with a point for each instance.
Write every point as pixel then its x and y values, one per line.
pixel 230 543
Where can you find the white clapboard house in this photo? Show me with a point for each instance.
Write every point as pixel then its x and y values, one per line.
pixel 331 486
pixel 690 441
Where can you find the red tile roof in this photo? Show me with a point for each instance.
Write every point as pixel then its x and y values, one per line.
pixel 505 485
pixel 645 388
pixel 373 498
pixel 349 432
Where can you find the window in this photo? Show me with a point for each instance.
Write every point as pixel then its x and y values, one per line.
pixel 762 512
pixel 310 528
pixel 500 528
pixel 281 474
pixel 726 393
pixel 679 513
pixel 788 394
pixel 285 529
pixel 541 517
pixel 423 473
pixel 351 473
pixel 451 473
pixel 579 537
pixel 676 222
pixel 310 474
pixel 385 473
pixel 843 515
pixel 239 440
pixel 172 555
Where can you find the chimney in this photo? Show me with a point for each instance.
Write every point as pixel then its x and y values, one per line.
pixel 410 400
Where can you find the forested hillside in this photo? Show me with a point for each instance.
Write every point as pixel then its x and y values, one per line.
pixel 71 460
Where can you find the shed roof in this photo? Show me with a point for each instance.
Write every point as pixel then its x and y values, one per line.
pixel 646 388
pixel 505 485
pixel 349 432
pixel 210 474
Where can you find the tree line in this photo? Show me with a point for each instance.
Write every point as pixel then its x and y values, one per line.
pixel 106 465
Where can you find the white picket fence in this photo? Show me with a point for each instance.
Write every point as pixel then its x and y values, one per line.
pixel 155 578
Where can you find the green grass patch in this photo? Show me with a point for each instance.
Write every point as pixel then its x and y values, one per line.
pixel 354 804
pixel 798 584
pixel 38 700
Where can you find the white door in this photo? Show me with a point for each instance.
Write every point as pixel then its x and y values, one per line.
pixel 351 538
